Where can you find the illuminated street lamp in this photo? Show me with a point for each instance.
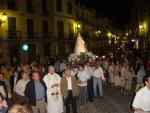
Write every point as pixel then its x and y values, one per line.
pixel 4 18
pixel 79 26
pixel 109 34
pixel 99 31
pixel 141 26
pixel 143 34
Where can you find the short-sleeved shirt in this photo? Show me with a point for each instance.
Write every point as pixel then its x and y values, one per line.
pixel 83 76
pixel 142 99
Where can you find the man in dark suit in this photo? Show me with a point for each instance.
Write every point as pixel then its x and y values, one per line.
pixel 13 80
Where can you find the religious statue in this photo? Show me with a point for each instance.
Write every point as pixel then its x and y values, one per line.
pixel 80 46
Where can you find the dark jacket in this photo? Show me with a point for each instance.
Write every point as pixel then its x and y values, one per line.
pixel 12 82
pixel 2 83
pixel 30 92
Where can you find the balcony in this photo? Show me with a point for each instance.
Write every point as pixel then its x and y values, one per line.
pixel 32 35
pixel 14 34
pixel 47 35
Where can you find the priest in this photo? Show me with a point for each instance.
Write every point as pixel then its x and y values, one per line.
pixel 54 97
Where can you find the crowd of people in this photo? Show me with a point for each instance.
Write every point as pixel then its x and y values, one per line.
pixel 61 83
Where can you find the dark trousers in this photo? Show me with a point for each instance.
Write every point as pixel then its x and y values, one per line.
pixel 90 89
pixel 71 100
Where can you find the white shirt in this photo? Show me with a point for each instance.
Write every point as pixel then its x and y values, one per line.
pixel 89 71
pixel 98 73
pixel 83 76
pixel 142 99
pixel 69 83
pixel 20 86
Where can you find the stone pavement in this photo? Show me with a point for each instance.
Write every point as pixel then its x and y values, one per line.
pixel 112 102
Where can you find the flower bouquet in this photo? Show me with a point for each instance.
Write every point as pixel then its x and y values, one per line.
pixel 81 58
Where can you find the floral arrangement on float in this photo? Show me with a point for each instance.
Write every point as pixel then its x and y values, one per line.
pixel 81 54
pixel 82 57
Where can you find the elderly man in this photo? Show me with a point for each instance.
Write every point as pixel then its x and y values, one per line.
pixel 69 90
pixel 36 92
pixel 141 102
pixel 54 97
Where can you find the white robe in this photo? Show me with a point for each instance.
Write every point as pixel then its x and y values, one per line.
pixel 54 102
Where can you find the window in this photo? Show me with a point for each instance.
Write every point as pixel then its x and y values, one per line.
pixel 77 14
pixel 45 29
pixel 59 5
pixel 70 30
pixel 30 28
pixel 82 16
pixel 60 28
pixel 69 8
pixel 12 27
pixel 11 4
pixel 44 7
pixel 30 7
pixel 47 49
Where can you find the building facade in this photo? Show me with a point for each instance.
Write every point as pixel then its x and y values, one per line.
pixel 140 22
pixel 49 27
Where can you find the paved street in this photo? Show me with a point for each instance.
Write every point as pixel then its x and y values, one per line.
pixel 113 102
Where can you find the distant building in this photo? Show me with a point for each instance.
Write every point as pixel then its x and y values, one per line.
pixel 49 27
pixel 140 22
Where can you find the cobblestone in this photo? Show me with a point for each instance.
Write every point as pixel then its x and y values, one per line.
pixel 112 102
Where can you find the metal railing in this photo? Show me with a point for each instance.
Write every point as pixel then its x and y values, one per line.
pixel 47 35
pixel 32 35
pixel 14 34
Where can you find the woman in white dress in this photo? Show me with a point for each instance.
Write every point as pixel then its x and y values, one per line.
pixel 111 73
pixel 54 97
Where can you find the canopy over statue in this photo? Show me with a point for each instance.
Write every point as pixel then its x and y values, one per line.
pixel 80 46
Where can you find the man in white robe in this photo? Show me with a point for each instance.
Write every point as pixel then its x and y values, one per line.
pixel 54 97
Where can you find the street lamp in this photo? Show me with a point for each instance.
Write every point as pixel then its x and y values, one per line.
pixel 127 34
pixel 4 18
pixel 79 26
pixel 142 34
pixel 109 34
pixel 99 31
pixel 141 26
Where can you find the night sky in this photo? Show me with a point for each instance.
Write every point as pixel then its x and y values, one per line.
pixel 117 10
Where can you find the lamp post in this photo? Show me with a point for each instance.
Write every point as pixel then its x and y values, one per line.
pixel 2 20
pixel 78 27
pixel 4 44
pixel 142 34
pixel 109 36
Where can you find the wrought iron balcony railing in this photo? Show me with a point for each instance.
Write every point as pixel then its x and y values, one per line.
pixel 14 34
